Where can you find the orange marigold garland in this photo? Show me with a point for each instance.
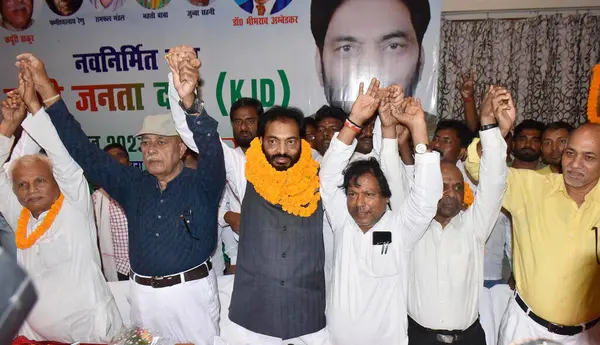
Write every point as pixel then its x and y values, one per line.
pixel 468 197
pixel 296 190
pixel 593 112
pixel 23 241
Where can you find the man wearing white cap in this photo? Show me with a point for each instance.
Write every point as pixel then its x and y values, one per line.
pixel 171 212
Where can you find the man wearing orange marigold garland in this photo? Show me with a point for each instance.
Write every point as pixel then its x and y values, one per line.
pixel 47 201
pixel 446 266
pixel 171 215
pixel 279 288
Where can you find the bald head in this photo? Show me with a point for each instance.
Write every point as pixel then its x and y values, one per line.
pixel 33 183
pixel 581 158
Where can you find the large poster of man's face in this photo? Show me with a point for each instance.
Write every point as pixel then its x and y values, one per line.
pixel 360 39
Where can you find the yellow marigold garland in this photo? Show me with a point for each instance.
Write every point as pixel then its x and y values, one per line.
pixel 468 197
pixel 593 114
pixel 296 190
pixel 23 241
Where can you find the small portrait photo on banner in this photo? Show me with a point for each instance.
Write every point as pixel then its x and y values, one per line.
pixel 16 15
pixel 153 4
pixel 64 7
pixel 107 5
pixel 201 2
pixel 263 7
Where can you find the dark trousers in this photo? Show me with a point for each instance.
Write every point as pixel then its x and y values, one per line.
pixel 419 335
pixel 122 277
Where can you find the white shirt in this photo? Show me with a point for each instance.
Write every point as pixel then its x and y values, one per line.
pixel 74 301
pixel 446 265
pixel 367 304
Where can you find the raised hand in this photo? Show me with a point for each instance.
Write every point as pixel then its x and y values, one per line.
pixel 366 103
pixel 467 86
pixel 390 104
pixel 486 113
pixel 184 80
pixel 36 67
pixel 410 113
pixel 13 110
pixel 403 135
pixel 26 90
pixel 504 110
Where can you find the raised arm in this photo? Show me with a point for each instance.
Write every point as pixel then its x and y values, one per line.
pixel 97 165
pixel 340 151
pixel 25 146
pixel 418 209
pixel 184 90
pixel 13 113
pixel 66 171
pixel 467 91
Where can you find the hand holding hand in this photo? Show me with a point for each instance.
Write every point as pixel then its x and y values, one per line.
pixel 504 110
pixel 185 79
pixel 40 78
pixel 26 90
pixel 13 113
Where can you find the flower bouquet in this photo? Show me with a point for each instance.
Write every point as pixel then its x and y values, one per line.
pixel 139 336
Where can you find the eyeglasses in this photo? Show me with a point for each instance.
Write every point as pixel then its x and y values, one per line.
pixel 595 230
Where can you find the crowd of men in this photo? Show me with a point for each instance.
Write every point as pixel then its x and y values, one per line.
pixel 340 228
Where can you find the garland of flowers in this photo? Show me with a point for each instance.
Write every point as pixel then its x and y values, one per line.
pixel 23 241
pixel 593 99
pixel 296 189
pixel 468 197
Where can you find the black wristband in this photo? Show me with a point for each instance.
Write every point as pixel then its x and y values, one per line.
pixel 352 122
pixel 195 107
pixel 486 127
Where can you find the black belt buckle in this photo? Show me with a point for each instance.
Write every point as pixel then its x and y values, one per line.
pixel 447 338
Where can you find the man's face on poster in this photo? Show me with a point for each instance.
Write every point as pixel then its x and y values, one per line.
pixel 17 13
pixel 366 39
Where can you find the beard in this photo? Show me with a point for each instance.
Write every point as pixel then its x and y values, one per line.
pixel 291 159
pixel 526 155
pixel 243 141
pixel 449 206
pixel 344 96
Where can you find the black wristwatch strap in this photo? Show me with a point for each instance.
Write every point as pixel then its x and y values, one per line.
pixel 486 127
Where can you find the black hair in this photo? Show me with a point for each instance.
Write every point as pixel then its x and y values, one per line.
pixel 559 125
pixel 246 102
pixel 76 5
pixel 321 12
pixel 529 124
pixel 116 146
pixel 462 131
pixel 308 121
pixel 366 166
pixel 327 111
pixel 279 113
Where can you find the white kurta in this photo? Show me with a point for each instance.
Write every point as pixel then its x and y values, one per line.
pixel 74 301
pixel 446 265
pixel 367 304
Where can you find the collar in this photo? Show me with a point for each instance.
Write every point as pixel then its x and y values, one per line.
pixel 557 182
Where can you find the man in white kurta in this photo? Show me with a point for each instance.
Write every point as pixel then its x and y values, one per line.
pixel 367 303
pixel 446 265
pixel 74 301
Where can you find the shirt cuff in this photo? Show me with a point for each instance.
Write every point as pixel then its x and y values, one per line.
pixel 337 145
pixel 202 124
pixel 427 157
pixel 491 138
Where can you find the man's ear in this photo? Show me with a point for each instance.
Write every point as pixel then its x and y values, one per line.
pixel 319 65
pixel 182 149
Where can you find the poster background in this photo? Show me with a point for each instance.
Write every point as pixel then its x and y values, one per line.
pixel 248 54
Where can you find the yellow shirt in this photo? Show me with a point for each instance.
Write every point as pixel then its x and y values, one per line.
pixel 554 246
pixel 545 170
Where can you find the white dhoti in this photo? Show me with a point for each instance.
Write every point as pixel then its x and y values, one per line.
pixel 235 334
pixel 517 326
pixel 184 313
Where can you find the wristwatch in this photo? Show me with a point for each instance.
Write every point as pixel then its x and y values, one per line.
pixel 420 148
pixel 195 108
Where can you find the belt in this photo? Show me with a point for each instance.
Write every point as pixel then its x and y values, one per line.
pixel 444 336
pixel 195 273
pixel 552 327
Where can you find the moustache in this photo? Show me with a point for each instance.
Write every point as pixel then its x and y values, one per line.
pixel 449 202
pixel 274 157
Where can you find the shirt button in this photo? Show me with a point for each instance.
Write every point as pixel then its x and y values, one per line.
pixel 282 283
pixel 197 122
pixel 284 228
pixel 283 255
pixel 157 234
pixel 161 201
pixel 159 216
pixel 208 135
